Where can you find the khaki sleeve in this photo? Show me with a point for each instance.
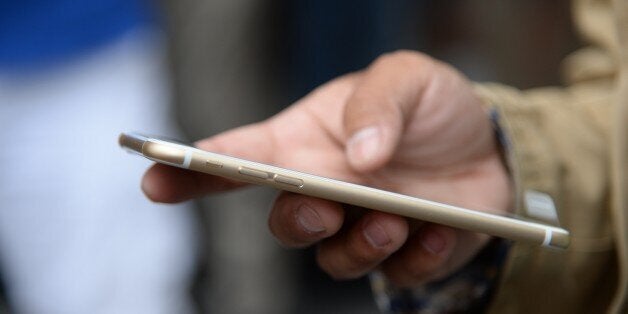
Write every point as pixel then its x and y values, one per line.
pixel 558 140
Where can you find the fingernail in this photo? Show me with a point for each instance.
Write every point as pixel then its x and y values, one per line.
pixel 363 145
pixel 309 220
pixel 376 235
pixel 433 242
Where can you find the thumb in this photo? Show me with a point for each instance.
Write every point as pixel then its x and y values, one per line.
pixel 376 113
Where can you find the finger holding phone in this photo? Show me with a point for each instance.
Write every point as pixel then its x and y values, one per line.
pixel 408 124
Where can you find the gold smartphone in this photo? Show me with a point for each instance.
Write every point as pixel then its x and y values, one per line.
pixel 187 157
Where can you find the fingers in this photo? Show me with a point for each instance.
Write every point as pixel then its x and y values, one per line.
pixel 375 240
pixel 370 241
pixel 374 114
pixel 171 185
pixel 426 256
pixel 299 221
pixel 166 184
pixel 433 253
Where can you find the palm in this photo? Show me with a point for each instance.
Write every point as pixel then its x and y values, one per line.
pixel 449 158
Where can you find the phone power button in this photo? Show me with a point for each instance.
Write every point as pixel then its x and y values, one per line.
pixel 289 181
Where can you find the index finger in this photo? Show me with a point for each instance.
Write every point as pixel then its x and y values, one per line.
pixel 166 184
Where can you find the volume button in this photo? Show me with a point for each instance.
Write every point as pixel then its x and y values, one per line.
pixel 213 163
pixel 253 173
pixel 289 180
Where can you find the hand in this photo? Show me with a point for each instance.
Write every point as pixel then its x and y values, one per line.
pixel 407 124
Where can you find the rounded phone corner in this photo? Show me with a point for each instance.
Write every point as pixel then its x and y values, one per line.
pixel 131 142
pixel 167 154
pixel 560 239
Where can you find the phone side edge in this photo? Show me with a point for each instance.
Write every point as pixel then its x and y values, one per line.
pixel 445 214
pixel 404 205
pixel 132 142
pixel 232 168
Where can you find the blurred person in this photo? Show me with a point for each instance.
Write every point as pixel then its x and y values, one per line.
pixel 75 234
pixel 416 125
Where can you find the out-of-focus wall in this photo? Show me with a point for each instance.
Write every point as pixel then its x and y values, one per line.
pixel 520 43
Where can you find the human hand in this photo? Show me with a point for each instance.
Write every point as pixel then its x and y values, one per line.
pixel 407 124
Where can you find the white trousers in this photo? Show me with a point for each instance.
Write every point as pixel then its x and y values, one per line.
pixel 76 233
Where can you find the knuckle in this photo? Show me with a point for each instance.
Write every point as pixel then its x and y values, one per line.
pixel 406 58
pixel 361 258
pixel 365 254
pixel 341 264
pixel 418 270
pixel 325 262
pixel 339 271
pixel 413 266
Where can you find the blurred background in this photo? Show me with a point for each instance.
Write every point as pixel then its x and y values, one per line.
pixel 76 234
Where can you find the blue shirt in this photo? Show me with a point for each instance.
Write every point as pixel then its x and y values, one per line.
pixel 41 32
